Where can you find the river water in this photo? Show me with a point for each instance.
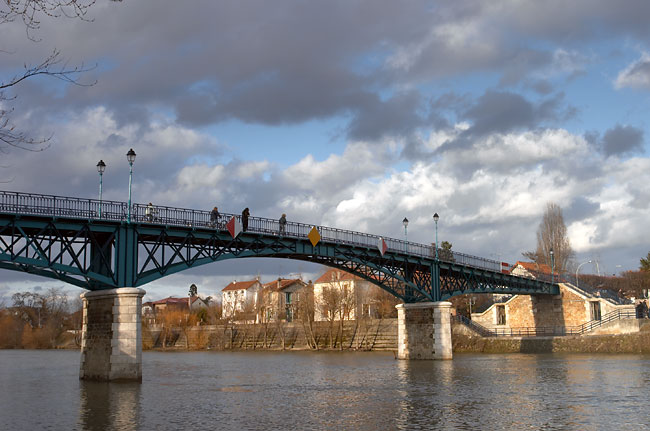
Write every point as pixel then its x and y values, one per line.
pixel 328 391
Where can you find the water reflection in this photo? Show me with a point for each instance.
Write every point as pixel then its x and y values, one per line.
pixel 494 392
pixel 323 391
pixel 107 406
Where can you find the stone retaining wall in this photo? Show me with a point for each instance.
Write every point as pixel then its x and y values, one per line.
pixel 465 342
pixel 366 334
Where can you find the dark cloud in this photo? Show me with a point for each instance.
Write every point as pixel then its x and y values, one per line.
pixel 639 195
pixel 415 150
pixel 579 209
pixel 523 61
pixel 622 140
pixel 396 116
pixel 500 112
pixel 288 63
pixel 503 111
pixel 542 86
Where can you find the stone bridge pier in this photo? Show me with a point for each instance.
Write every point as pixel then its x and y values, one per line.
pixel 111 339
pixel 424 330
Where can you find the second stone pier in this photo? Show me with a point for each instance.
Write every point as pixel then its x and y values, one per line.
pixel 424 330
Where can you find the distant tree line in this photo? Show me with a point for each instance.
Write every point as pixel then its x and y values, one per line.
pixel 40 320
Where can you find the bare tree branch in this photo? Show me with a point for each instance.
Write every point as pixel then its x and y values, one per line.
pixel 30 13
pixel 552 235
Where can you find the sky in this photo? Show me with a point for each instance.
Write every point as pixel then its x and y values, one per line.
pixel 352 114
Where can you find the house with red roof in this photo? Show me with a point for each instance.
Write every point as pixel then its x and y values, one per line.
pixel 531 269
pixel 341 295
pixel 189 304
pixel 281 299
pixel 240 297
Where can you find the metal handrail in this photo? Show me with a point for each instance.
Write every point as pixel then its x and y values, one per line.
pixel 482 330
pixel 60 206
pixel 532 331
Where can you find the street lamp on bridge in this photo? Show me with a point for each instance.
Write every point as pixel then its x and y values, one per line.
pixel 405 222
pixel 552 265
pixel 436 217
pixel 130 157
pixel 578 269
pixel 101 167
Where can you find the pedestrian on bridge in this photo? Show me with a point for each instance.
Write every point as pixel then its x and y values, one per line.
pixel 148 212
pixel 244 219
pixel 214 217
pixel 283 224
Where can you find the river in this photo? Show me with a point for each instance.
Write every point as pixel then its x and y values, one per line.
pixel 328 391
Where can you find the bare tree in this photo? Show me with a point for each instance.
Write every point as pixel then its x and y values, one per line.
pixel 329 306
pixel 31 12
pixel 552 235
pixel 385 303
pixel 264 312
pixel 348 307
pixel 305 313
pixel 45 316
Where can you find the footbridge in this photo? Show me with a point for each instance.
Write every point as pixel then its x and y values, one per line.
pixel 109 248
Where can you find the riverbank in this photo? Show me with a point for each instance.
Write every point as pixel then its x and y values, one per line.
pixel 366 334
pixel 465 342
pixel 370 335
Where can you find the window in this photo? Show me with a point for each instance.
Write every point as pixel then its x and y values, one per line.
pixel 595 310
pixel 287 298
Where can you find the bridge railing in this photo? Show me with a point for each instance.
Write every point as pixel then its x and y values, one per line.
pixel 38 204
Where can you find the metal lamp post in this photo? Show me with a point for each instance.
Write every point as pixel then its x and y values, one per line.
pixel 578 269
pixel 130 157
pixel 101 167
pixel 405 222
pixel 436 217
pixel 552 266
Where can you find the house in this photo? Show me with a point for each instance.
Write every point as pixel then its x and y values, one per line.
pixel 240 297
pixel 281 298
pixel 531 269
pixel 152 308
pixel 571 308
pixel 339 294
pixel 192 303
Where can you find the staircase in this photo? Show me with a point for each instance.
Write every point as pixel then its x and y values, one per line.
pixel 546 331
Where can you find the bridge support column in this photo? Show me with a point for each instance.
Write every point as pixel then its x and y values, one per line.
pixel 111 339
pixel 424 330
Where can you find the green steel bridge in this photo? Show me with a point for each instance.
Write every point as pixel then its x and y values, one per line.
pixel 99 245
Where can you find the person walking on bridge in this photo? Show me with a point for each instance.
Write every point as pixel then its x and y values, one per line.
pixel 283 224
pixel 214 217
pixel 244 219
pixel 148 212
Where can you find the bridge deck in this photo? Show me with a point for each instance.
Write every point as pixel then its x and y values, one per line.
pixel 115 211
pixel 155 228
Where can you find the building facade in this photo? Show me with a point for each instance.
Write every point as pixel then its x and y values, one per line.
pixel 571 308
pixel 341 295
pixel 282 298
pixel 239 298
